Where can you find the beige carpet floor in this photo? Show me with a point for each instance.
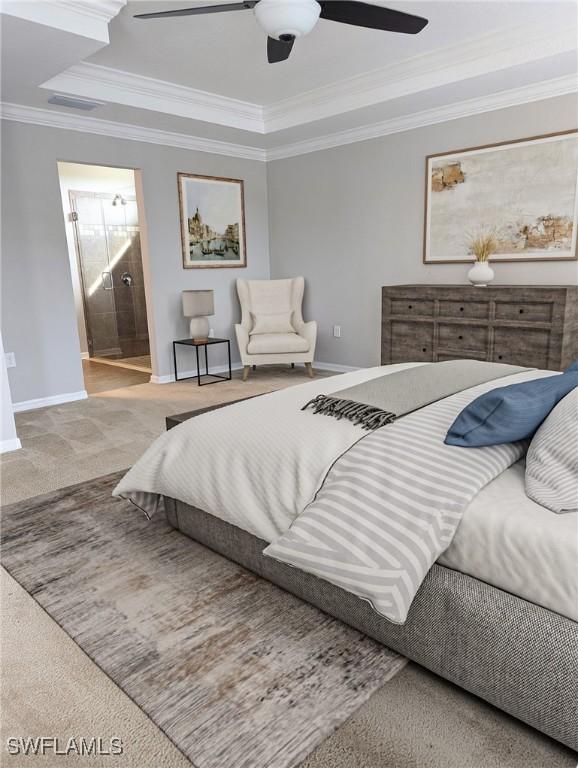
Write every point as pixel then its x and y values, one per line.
pixel 49 687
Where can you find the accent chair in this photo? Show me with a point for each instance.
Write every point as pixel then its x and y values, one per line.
pixel 272 329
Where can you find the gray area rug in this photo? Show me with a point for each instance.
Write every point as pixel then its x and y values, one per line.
pixel 237 672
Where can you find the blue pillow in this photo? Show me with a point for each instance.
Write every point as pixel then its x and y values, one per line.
pixel 511 413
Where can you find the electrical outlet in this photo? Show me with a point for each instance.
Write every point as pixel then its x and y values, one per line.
pixel 10 359
pixel 337 331
pixel 211 333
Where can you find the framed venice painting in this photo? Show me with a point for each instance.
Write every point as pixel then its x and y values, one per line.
pixel 523 192
pixel 212 221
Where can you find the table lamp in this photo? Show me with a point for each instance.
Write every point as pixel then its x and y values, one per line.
pixel 198 305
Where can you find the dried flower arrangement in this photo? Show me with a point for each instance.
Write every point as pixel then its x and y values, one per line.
pixel 483 244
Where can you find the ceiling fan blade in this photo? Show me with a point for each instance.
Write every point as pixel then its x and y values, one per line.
pixel 277 50
pixel 199 10
pixel 372 16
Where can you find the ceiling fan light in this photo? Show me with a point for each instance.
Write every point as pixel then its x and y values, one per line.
pixel 293 18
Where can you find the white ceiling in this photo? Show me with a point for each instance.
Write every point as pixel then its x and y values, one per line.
pixel 226 53
pixel 207 77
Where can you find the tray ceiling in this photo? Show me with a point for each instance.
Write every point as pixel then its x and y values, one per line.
pixel 206 78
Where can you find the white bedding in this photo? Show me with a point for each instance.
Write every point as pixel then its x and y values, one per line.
pixel 509 541
pixel 263 473
pixel 258 472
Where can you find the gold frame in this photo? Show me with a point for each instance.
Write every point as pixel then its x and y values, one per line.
pixel 181 176
pixel 474 149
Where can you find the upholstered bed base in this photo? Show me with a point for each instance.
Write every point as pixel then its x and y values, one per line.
pixel 516 655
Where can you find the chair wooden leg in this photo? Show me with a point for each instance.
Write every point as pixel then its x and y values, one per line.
pixel 310 370
pixel 246 369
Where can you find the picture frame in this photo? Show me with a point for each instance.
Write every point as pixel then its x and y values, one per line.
pixel 212 221
pixel 524 191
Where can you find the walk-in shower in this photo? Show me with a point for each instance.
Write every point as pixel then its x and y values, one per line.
pixel 106 235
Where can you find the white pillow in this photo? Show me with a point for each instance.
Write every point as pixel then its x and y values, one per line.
pixel 279 322
pixel 552 460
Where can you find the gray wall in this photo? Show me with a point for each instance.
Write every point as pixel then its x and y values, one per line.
pixel 350 220
pixel 38 316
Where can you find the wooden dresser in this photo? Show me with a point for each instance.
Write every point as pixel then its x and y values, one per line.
pixel 535 326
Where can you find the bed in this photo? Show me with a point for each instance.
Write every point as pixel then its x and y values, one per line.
pixel 496 614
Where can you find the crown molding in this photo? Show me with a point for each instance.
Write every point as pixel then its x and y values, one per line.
pixel 488 53
pixel 546 89
pixel 88 18
pixel 113 85
pixel 483 55
pixel 105 10
pixel 502 100
pixel 55 119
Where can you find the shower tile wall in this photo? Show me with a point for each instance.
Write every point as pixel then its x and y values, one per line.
pixel 125 253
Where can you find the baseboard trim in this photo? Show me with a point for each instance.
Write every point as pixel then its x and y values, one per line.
pixel 6 446
pixel 238 366
pixel 44 402
pixel 170 378
pixel 336 367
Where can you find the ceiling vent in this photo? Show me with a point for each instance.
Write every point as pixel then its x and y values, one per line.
pixel 73 102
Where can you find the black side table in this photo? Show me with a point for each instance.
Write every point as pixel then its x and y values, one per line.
pixel 196 343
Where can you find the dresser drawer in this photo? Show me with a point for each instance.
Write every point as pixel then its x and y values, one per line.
pixel 411 342
pixel 463 337
pixel 522 347
pixel 477 309
pixel 441 356
pixel 527 325
pixel 421 307
pixel 536 312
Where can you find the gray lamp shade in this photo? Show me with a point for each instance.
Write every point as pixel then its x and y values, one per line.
pixel 198 303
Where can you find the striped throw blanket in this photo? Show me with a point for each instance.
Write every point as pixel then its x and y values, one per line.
pixel 391 504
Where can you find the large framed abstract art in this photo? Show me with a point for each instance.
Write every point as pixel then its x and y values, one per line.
pixel 523 192
pixel 212 221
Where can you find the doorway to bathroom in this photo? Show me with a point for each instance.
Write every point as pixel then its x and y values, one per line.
pixel 103 233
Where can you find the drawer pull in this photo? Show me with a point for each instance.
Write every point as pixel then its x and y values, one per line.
pixel 461 309
pixel 460 337
pixel 499 357
pixel 521 311
pixel 424 349
pixel 410 306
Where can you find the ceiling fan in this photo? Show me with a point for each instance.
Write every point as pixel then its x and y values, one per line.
pixel 286 20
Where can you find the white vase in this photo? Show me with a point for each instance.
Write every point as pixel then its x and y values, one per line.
pixel 199 328
pixel 481 274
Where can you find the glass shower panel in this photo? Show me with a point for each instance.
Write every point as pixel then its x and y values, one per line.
pixel 111 266
pixel 97 278
pixel 136 269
